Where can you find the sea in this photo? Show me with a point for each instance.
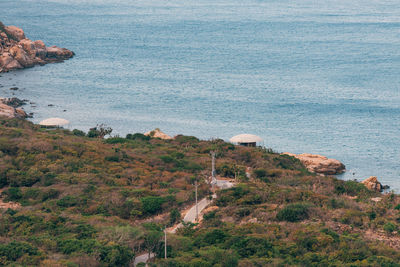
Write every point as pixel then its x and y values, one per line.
pixel 307 76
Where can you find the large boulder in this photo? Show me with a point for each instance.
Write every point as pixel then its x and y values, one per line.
pixel 20 55
pixel 58 53
pixel 157 133
pixel 320 164
pixel 17 52
pixel 15 32
pixel 9 111
pixel 373 184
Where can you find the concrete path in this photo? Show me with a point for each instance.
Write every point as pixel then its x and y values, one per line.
pixel 189 217
pixel 143 258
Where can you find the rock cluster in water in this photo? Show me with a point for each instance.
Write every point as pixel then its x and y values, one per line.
pixel 320 164
pixel 18 52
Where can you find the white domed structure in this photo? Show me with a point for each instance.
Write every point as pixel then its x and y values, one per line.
pixel 246 140
pixel 53 122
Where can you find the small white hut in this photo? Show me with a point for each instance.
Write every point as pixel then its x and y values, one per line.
pixel 53 123
pixel 246 140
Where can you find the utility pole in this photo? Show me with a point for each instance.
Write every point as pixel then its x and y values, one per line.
pixel 213 178
pixel 165 242
pixel 197 210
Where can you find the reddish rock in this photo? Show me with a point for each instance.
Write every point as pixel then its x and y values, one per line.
pixel 20 55
pixel 373 184
pixel 157 133
pixel 320 164
pixel 15 32
pixel 9 111
pixel 17 52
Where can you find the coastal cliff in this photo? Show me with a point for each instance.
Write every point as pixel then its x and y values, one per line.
pixel 18 52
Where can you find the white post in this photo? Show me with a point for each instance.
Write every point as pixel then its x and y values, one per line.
pixel 213 178
pixel 165 242
pixel 197 210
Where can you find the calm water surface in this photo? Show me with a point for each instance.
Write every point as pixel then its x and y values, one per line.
pixel 307 76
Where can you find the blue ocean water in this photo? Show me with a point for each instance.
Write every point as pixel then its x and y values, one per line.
pixel 307 76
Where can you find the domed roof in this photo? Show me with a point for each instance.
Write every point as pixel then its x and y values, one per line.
pixel 246 138
pixel 54 122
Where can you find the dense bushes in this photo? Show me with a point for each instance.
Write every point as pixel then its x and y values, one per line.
pixel 351 188
pixel 80 198
pixel 14 250
pixel 116 255
pixel 293 212
pixel 152 204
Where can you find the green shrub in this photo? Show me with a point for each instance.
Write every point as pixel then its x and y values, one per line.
pixel 293 212
pixel 353 217
pixel 389 227
pixel 49 179
pixel 13 194
pixel 113 158
pixel 288 162
pixel 85 231
pixel 251 246
pixel 50 194
pixel 115 140
pixel 209 215
pixel 186 139
pixel 138 136
pixel 69 246
pixel 260 173
pixel 152 204
pixel 214 236
pixel 174 216
pixel 14 250
pixel 68 201
pixel 78 132
pixel 350 188
pixel 116 255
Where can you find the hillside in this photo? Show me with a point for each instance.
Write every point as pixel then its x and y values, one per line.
pixel 75 200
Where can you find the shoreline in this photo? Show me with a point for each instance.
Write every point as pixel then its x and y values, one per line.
pixel 314 163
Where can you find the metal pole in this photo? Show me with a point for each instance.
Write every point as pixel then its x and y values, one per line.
pixel 165 242
pixel 197 210
pixel 213 179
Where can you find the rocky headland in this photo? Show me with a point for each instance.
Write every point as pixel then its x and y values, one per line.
pixel 320 164
pixel 18 52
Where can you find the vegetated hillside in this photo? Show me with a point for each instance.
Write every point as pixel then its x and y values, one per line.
pixel 101 202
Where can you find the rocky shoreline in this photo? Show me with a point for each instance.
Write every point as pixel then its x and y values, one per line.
pixel 18 52
pixel 11 108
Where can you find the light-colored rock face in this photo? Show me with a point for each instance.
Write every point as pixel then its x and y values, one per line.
pixel 15 32
pixel 373 184
pixel 10 112
pixel 320 164
pixel 157 133
pixel 17 52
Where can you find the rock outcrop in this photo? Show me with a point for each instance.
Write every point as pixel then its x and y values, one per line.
pixel 18 52
pixel 320 164
pixel 157 133
pixel 8 109
pixel 373 184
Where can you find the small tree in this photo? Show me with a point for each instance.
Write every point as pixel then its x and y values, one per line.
pixel 152 240
pixel 100 131
pixel 389 227
pixel 174 216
